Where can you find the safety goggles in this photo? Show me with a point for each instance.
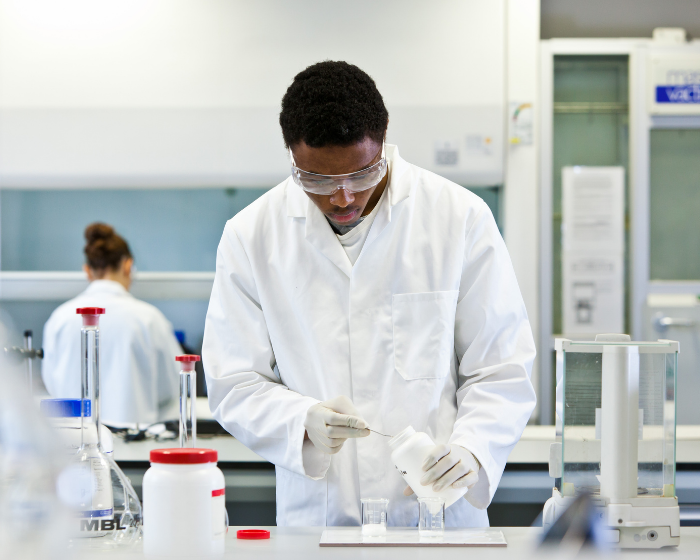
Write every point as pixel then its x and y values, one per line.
pixel 328 184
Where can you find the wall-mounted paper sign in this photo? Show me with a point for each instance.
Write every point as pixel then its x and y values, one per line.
pixel 593 249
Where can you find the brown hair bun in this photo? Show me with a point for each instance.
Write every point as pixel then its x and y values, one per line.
pixel 105 249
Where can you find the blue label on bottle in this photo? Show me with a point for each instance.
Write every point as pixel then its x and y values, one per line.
pixel 97 513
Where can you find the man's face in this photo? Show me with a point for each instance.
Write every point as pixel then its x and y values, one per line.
pixel 342 207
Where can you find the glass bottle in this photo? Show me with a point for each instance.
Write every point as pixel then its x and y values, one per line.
pixel 108 509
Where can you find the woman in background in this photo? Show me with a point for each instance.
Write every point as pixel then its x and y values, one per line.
pixel 139 379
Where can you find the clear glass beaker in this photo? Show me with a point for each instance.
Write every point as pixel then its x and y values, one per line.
pixel 374 516
pixel 432 517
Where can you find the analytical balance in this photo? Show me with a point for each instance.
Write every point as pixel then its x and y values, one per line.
pixel 616 437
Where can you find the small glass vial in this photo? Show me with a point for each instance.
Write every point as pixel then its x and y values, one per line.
pixel 431 522
pixel 374 515
pixel 184 504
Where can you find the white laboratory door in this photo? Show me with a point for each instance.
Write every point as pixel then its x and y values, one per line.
pixel 677 317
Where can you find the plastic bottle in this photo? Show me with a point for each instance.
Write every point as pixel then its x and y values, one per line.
pixel 408 452
pixel 184 504
pixel 64 417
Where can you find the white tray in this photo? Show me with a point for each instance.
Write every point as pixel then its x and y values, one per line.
pixel 402 536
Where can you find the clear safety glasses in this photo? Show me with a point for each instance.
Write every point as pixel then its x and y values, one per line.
pixel 327 184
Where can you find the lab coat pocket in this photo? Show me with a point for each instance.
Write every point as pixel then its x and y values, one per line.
pixel 423 333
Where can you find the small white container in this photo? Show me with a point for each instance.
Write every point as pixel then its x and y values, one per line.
pixel 64 417
pixel 408 452
pixel 184 504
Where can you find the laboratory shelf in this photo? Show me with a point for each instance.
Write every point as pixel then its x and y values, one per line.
pixel 62 286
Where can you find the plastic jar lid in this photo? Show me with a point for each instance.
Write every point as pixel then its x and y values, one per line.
pixel 184 456
pixel 65 408
pixel 253 534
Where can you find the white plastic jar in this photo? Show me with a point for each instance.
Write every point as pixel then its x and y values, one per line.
pixel 184 504
pixel 408 452
pixel 64 417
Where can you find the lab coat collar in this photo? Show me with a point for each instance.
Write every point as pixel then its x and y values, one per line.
pixel 299 205
pixel 106 287
pixel 318 231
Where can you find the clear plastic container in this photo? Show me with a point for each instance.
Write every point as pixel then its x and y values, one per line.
pixel 408 452
pixel 374 516
pixel 184 504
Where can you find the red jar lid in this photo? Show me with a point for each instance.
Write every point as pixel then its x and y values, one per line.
pixel 253 534
pixel 184 456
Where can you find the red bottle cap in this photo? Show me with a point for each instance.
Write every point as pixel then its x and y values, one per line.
pixel 91 315
pixel 253 534
pixel 184 456
pixel 188 358
pixel 90 311
pixel 188 361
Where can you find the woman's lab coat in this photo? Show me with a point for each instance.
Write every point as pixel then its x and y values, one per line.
pixel 139 378
pixel 427 329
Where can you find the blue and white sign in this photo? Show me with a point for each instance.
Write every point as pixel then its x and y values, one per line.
pixel 678 94
pixel 675 83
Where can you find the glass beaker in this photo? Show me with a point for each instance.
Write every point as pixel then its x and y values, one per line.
pixel 432 517
pixel 374 516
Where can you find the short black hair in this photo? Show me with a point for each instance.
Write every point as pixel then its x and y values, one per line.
pixel 332 103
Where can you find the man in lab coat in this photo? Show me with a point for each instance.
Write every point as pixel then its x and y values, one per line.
pixel 365 292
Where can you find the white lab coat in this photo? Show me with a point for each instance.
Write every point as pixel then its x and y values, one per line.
pixel 427 329
pixel 139 378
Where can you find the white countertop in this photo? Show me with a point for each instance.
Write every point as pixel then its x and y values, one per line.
pixel 290 543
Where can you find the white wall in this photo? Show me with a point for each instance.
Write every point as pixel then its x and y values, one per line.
pixel 521 201
pixel 161 92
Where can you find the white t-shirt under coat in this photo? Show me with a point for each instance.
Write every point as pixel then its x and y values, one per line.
pixel 354 240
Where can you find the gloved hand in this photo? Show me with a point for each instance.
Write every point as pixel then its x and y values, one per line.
pixel 448 465
pixel 330 423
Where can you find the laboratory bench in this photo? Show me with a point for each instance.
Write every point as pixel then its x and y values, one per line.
pixel 291 543
pixel 524 487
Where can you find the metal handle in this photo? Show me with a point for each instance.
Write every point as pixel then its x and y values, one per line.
pixel 662 322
